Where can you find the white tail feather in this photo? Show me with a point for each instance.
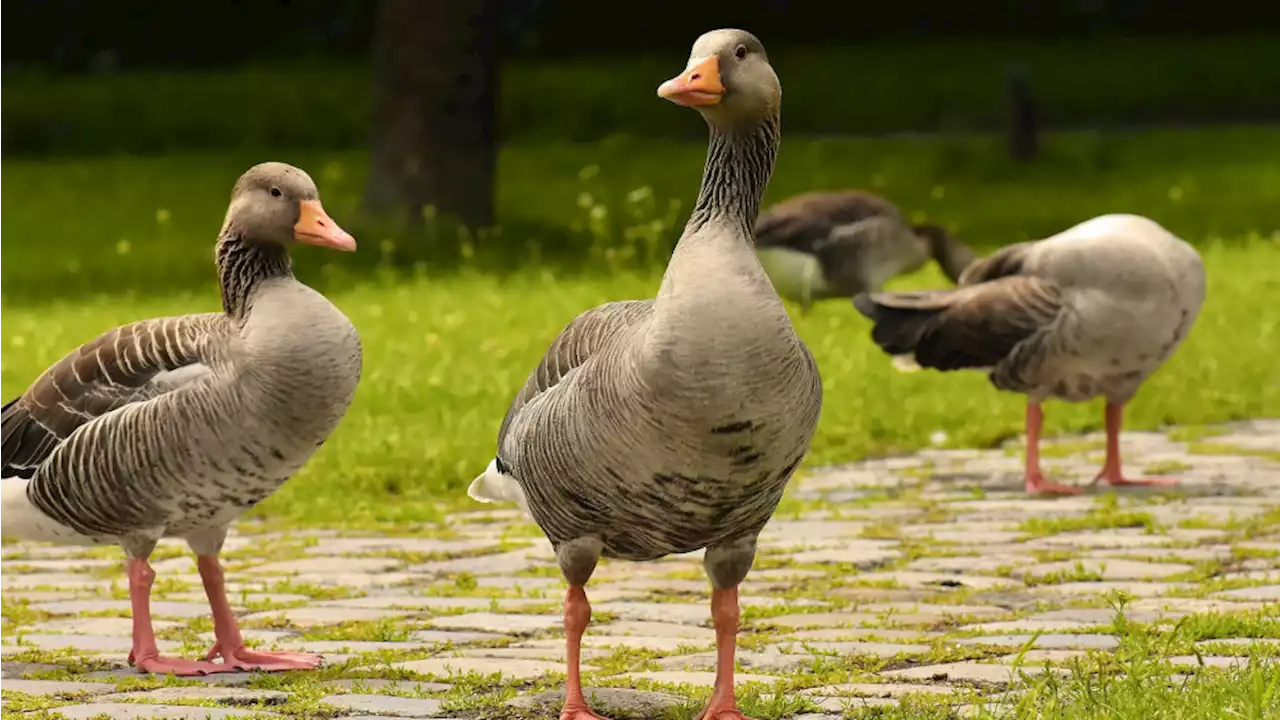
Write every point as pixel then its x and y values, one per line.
pixel 493 486
pixel 24 521
pixel 905 363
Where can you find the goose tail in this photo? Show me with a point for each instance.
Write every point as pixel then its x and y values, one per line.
pixel 901 321
pixel 495 485
pixel 24 521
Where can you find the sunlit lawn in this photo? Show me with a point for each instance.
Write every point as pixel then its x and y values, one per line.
pixel 444 353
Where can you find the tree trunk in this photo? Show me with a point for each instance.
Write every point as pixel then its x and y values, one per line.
pixel 434 115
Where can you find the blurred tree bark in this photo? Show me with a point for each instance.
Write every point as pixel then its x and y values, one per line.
pixel 434 113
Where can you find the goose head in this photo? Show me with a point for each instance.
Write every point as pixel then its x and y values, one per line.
pixel 728 79
pixel 278 204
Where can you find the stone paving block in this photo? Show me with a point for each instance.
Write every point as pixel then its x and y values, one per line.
pixel 386 705
pixel 508 562
pixel 12 581
pixel 604 642
pixel 91 644
pixel 448 636
pixel 881 690
pixel 98 626
pixel 968 672
pixel 1136 588
pixel 851 704
pixel 444 667
pixel 1046 641
pixel 419 602
pixel 1263 593
pixel 138 711
pixel 365 684
pixel 159 608
pixel 937 580
pixel 56 688
pixel 822 620
pixel 379 545
pixel 1107 569
pixel 325 566
pixel 846 648
pixel 644 628
pixel 694 677
pixel 633 703
pixel 313 616
pixel 862 554
pixel 1095 539
pixel 221 695
pixel 681 613
pixel 870 633
pixel 510 624
pixel 965 565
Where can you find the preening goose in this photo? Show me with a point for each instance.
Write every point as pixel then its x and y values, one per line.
pixel 822 245
pixel 174 427
pixel 1093 310
pixel 662 426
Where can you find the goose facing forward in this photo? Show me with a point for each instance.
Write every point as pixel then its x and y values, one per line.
pixel 822 245
pixel 662 426
pixel 1093 310
pixel 176 426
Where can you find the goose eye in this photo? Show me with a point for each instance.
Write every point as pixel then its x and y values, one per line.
pixel 275 192
pixel 740 52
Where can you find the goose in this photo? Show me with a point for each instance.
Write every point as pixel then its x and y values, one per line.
pixel 673 424
pixel 175 426
pixel 821 245
pixel 1092 311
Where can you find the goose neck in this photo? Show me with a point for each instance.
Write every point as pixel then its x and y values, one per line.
pixel 737 170
pixel 242 267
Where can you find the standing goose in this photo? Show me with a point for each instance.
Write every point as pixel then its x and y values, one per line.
pixel 662 426
pixel 822 245
pixel 174 427
pixel 1093 310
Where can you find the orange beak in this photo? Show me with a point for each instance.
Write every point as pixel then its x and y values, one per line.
pixel 315 227
pixel 697 86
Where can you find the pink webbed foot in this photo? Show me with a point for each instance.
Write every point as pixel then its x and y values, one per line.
pixel 176 666
pixel 262 661
pixel 1038 484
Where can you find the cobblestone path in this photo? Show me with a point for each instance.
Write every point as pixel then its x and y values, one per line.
pixel 931 575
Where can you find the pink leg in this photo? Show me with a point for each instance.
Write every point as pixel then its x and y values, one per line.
pixel 1111 468
pixel 229 644
pixel 145 655
pixel 1036 483
pixel 577 614
pixel 724 614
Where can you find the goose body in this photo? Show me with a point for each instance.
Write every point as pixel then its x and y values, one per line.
pixel 1092 311
pixel 662 426
pixel 174 427
pixel 822 245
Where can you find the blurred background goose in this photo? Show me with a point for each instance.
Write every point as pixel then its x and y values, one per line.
pixel 174 427
pixel 822 245
pixel 662 426
pixel 1093 310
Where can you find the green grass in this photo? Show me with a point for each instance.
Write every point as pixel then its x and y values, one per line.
pixel 861 88
pixel 145 225
pixel 95 243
